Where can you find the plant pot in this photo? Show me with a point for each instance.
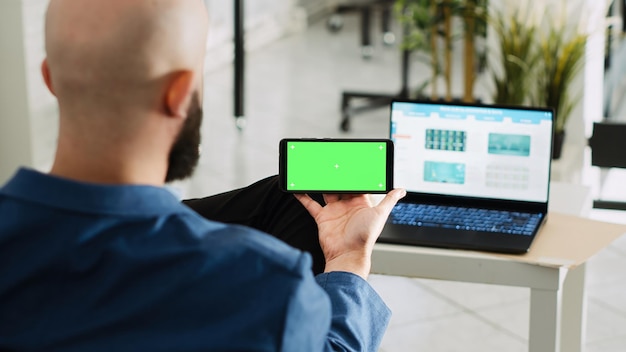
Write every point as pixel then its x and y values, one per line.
pixel 557 144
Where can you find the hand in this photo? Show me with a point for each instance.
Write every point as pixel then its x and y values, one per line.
pixel 348 228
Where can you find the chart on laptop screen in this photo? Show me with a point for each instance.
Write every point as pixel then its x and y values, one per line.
pixel 475 151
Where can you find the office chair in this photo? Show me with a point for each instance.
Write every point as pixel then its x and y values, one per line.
pixel 369 100
pixel 365 9
pixel 608 150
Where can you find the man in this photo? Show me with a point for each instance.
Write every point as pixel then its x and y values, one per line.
pixel 97 256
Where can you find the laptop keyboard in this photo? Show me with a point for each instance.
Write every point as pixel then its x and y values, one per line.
pixel 465 218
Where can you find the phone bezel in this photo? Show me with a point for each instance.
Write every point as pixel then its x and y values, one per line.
pixel 282 174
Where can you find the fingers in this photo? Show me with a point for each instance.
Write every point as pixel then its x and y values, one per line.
pixel 309 204
pixel 330 198
pixel 314 208
pixel 391 199
pixel 335 197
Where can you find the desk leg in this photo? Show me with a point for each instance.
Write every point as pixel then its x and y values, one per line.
pixel 545 321
pixel 574 314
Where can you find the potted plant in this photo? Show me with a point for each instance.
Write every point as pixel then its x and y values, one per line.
pixel 421 19
pixel 474 13
pixel 430 33
pixel 538 61
pixel 562 52
pixel 514 58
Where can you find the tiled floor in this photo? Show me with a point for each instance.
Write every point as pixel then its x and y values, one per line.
pixel 293 90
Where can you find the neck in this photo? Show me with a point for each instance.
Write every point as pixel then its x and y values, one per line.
pixel 103 158
pixel 103 170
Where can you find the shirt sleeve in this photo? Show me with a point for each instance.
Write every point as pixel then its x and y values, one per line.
pixel 335 311
pixel 359 315
pixel 308 315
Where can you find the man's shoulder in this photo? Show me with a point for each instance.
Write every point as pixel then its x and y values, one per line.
pixel 242 243
pixel 174 231
pixel 207 283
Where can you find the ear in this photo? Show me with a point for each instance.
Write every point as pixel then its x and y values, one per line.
pixel 45 72
pixel 178 95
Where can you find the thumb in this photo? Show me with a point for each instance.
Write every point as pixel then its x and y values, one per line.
pixel 390 200
pixel 309 204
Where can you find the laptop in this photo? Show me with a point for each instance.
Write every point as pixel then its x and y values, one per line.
pixel 477 176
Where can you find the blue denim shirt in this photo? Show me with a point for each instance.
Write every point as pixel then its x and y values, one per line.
pixel 129 268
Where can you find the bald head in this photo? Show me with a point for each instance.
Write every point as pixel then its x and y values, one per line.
pixel 127 75
pixel 121 54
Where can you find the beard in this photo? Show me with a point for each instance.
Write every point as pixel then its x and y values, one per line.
pixel 185 152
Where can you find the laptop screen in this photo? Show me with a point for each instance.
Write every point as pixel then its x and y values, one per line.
pixel 474 151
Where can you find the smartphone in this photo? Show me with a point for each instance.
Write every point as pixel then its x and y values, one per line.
pixel 336 165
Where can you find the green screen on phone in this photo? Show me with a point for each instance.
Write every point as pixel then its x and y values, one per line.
pixel 336 166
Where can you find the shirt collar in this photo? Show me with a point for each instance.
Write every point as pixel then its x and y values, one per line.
pixel 37 187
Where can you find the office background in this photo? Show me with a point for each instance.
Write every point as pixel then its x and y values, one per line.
pixel 296 71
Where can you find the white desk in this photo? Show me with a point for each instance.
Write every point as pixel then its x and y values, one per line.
pixel 557 299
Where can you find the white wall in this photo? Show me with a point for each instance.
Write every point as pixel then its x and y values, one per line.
pixel 593 81
pixel 28 113
pixel 42 105
pixel 265 22
pixel 15 142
